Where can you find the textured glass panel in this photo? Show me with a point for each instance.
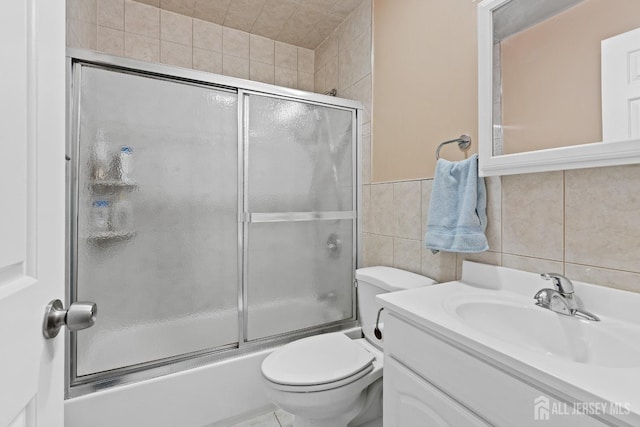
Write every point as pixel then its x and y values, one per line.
pixel 300 157
pixel 157 218
pixel 300 275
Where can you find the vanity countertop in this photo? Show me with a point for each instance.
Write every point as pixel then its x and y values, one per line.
pixel 491 314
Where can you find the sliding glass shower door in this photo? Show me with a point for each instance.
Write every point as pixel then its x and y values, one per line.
pixel 206 219
pixel 157 225
pixel 300 197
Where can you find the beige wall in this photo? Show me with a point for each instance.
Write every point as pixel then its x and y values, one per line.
pixel 551 76
pixel 580 223
pixel 424 84
pixel 141 31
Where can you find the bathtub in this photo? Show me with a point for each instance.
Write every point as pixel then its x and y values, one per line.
pixel 215 394
pixel 211 395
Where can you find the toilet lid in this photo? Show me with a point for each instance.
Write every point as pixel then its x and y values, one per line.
pixel 316 360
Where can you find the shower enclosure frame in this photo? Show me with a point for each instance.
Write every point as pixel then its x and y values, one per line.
pixel 76 58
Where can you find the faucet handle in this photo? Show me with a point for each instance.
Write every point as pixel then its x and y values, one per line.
pixel 553 300
pixel 543 298
pixel 562 283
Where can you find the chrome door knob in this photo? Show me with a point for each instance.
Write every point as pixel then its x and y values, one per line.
pixel 80 315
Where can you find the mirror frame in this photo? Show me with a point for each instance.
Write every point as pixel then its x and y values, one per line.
pixel 597 154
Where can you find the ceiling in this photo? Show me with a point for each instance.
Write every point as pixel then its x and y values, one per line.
pixel 304 23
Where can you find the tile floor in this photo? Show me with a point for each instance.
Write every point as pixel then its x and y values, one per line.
pixel 279 418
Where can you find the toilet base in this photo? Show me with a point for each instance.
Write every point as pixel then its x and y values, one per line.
pixel 373 423
pixel 339 420
pixel 371 415
pixel 365 412
pixel 331 423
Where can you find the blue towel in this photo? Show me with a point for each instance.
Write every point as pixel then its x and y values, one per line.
pixel 458 208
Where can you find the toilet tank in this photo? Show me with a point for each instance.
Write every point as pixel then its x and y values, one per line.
pixel 379 280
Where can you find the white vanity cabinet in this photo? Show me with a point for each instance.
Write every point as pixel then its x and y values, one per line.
pixel 410 401
pixel 431 382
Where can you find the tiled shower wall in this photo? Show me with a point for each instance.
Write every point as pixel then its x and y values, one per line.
pixel 140 31
pixel 343 62
pixel 583 223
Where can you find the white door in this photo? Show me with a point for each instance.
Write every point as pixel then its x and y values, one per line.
pixel 32 246
pixel 621 86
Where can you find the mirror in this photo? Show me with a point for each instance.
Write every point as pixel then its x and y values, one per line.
pixel 559 84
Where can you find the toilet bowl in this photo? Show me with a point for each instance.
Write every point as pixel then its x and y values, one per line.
pixel 331 380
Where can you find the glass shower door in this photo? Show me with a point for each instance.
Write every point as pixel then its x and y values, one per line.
pixel 300 203
pixel 156 232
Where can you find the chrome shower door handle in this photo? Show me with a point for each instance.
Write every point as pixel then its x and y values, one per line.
pixel 80 315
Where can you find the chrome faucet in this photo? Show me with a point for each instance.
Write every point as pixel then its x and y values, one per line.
pixel 561 298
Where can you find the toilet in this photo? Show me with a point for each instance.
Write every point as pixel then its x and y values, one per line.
pixel 331 380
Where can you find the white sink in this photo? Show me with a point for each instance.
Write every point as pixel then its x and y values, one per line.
pixel 517 321
pixel 491 313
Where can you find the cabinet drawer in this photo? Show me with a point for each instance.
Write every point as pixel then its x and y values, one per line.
pixel 410 401
pixel 499 397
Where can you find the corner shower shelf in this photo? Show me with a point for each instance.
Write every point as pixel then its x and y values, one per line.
pixel 110 236
pixel 112 185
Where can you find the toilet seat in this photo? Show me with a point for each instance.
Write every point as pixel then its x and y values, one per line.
pixel 321 387
pixel 317 363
